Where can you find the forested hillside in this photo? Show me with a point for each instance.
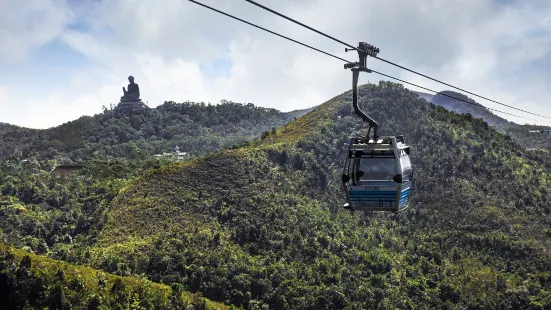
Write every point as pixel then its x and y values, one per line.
pixel 5 127
pixel 530 140
pixel 39 283
pixel 196 128
pixel 444 100
pixel 518 133
pixel 262 225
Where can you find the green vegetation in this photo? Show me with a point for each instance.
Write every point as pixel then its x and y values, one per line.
pixel 474 109
pixel 261 225
pixel 518 133
pixel 197 128
pixel 530 140
pixel 35 282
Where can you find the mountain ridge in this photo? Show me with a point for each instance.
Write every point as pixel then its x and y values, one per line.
pixel 519 133
pixel 462 107
pixel 246 217
pixel 262 224
pixel 196 128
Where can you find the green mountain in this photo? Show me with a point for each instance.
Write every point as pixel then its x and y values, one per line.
pixel 196 128
pixel 42 214
pixel 262 225
pixel 530 140
pixel 518 133
pixel 34 282
pixel 5 127
pixel 443 99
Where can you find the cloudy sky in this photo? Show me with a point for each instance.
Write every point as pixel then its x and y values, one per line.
pixel 63 59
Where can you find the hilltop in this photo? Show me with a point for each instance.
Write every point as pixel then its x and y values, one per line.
pixel 519 133
pixel 462 107
pixel 5 127
pixel 197 128
pixel 262 225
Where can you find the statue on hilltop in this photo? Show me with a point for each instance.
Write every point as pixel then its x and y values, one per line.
pixel 133 92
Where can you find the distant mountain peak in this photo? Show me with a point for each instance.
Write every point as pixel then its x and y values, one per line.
pixel 460 106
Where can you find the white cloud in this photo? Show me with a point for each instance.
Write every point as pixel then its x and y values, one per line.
pixel 175 81
pixel 4 96
pixel 30 23
pixel 495 50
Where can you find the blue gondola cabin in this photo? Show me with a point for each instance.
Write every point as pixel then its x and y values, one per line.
pixel 377 175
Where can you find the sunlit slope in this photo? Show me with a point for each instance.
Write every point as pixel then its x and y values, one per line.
pixel 40 283
pixel 197 128
pixel 263 224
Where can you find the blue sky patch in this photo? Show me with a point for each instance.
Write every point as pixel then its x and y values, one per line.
pixel 47 67
pixel 216 68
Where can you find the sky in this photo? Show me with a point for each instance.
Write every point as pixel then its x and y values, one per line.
pixel 61 59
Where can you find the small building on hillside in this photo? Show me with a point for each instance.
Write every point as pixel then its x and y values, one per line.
pixel 175 154
pixel 545 132
pixel 66 169
pixel 179 156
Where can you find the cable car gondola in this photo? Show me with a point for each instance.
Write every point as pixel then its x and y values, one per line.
pixel 377 175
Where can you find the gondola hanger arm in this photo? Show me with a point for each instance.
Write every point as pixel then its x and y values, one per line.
pixel 363 50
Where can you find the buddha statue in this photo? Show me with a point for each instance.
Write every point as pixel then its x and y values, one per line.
pixel 133 92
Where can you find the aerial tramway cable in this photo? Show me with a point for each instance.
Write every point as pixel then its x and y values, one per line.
pixel 349 62
pixel 389 62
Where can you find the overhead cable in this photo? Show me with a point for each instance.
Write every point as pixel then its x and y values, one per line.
pixel 347 61
pixel 387 61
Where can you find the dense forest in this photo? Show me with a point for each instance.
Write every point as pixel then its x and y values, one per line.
pixel 260 225
pixel 530 140
pixel 518 133
pixel 196 128
pixel 39 283
pixel 467 105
